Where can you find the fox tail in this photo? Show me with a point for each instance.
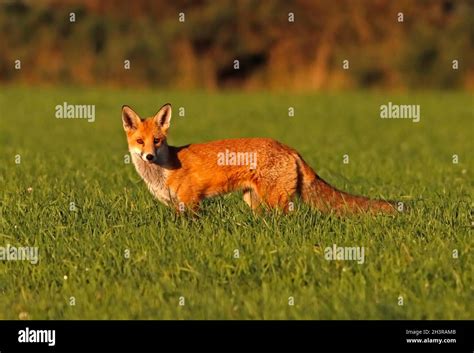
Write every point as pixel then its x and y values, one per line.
pixel 326 198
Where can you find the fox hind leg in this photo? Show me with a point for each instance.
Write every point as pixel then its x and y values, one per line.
pixel 251 198
pixel 278 198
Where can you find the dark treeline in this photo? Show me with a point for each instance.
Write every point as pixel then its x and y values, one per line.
pixel 278 44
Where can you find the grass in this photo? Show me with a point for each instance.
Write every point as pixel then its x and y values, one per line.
pixel 83 252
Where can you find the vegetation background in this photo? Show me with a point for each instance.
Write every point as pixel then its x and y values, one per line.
pixel 273 52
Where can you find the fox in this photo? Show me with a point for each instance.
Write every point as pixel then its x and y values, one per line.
pixel 181 177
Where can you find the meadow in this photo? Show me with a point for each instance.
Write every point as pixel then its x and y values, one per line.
pixel 108 250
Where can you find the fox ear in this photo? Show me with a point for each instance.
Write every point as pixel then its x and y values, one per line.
pixel 130 119
pixel 163 117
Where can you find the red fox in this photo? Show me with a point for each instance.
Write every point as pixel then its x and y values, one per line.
pixel 269 173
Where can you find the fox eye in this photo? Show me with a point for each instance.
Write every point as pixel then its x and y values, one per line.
pixel 156 140
pixel 140 141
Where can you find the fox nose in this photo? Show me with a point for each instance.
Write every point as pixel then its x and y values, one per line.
pixel 149 157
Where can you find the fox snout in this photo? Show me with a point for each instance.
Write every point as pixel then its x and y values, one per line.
pixel 149 157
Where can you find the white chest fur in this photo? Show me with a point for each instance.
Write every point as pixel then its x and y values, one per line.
pixel 155 178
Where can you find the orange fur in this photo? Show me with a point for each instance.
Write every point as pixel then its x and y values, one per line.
pixel 188 174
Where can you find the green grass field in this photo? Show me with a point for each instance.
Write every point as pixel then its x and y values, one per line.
pixel 83 253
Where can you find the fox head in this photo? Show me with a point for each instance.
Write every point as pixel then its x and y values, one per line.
pixel 147 137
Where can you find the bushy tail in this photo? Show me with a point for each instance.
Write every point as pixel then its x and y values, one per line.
pixel 319 194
